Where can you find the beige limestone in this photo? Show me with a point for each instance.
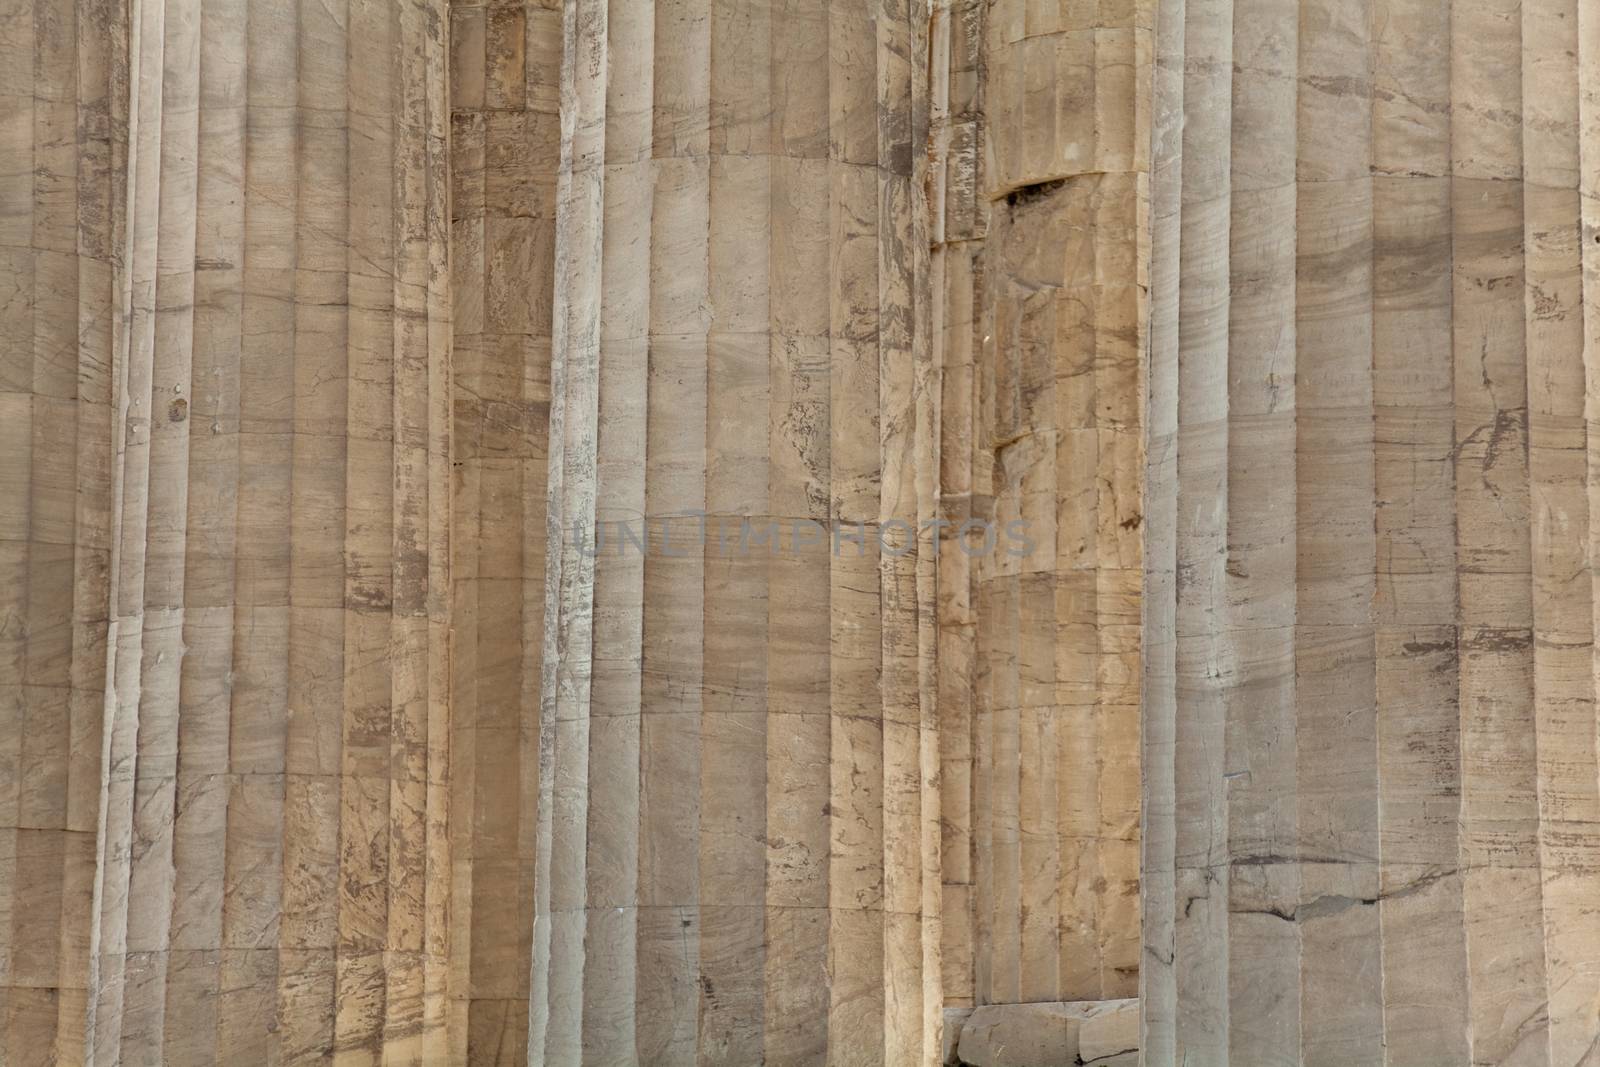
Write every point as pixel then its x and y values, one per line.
pixel 325 323
pixel 505 70
pixel 272 883
pixel 1110 1032
pixel 1049 1034
pixel 361 328
pixel 1019 1035
pixel 63 178
pixel 958 222
pixel 739 785
pixel 950 1039
pixel 1058 641
pixel 1369 695
pixel 1041 650
pixel 738 848
pixel 229 223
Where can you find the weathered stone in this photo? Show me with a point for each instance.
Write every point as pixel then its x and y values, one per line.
pixel 505 150
pixel 331 329
pixel 1044 346
pixel 1370 777
pixel 739 784
pixel 1111 1031
pixel 1121 1059
pixel 954 1019
pixel 1049 1034
pixel 1021 1035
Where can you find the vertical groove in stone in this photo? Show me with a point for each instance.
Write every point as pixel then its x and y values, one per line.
pixel 958 219
pixel 797 884
pixel 263 259
pixel 1414 817
pixel 738 757
pixel 1062 317
pixel 1506 991
pixel 560 880
pixel 319 333
pixel 1261 714
pixel 1158 824
pixel 1334 522
pixel 1586 130
pixel 131 463
pixel 1419 750
pixel 1563 602
pixel 1204 654
pixel 504 70
pixel 201 913
pixel 63 94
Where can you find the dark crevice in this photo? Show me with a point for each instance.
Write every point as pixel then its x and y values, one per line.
pixel 1028 194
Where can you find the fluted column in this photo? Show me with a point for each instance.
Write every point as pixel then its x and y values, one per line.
pixel 1371 779
pixel 273 878
pixel 63 128
pixel 505 70
pixel 1060 312
pixel 738 840
pixel 958 220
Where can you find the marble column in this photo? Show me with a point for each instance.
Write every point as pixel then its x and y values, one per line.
pixel 958 220
pixel 1370 762
pixel 738 844
pixel 505 71
pixel 1046 299
pixel 63 129
pixel 273 880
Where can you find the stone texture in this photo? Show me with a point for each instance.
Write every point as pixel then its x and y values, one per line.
pixel 1058 651
pixel 1050 1034
pixel 738 846
pixel 359 330
pixel 64 99
pixel 230 844
pixel 1111 1033
pixel 1021 1035
pixel 505 71
pixel 1044 392
pixel 1370 776
pixel 954 1020
pixel 274 869
pixel 958 223
pixel 329 329
pixel 1066 92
